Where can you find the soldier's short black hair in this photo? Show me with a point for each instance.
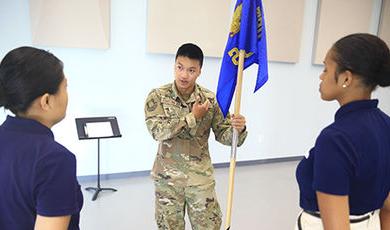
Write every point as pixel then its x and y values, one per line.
pixel 191 51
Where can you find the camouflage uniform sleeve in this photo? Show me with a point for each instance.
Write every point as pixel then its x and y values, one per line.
pixel 160 125
pixel 222 128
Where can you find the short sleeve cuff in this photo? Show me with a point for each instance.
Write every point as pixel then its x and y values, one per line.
pixel 58 212
pixel 191 121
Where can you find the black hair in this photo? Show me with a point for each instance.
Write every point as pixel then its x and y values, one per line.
pixel 191 51
pixel 25 74
pixel 365 55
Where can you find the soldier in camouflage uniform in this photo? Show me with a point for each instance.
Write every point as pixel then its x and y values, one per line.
pixel 179 116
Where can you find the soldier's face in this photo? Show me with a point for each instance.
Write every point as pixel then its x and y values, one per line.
pixel 186 72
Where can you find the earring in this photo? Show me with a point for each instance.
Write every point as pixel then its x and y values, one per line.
pixel 344 86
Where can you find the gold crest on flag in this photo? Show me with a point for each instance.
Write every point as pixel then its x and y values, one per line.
pixel 235 27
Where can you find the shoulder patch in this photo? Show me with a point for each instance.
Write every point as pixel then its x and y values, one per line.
pixel 151 105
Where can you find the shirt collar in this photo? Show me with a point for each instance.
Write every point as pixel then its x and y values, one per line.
pixel 27 126
pixel 355 106
pixel 192 98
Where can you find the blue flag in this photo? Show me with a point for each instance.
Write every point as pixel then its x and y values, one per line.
pixel 247 33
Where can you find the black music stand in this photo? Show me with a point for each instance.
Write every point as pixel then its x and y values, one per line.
pixel 97 128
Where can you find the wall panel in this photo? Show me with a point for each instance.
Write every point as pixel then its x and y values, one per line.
pixel 71 23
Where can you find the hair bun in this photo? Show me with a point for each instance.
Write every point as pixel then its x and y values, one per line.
pixel 383 77
pixel 3 100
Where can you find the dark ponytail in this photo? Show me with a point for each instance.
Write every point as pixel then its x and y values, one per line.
pixel 25 74
pixel 365 55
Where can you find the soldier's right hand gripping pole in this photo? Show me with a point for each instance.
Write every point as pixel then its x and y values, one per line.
pixel 233 153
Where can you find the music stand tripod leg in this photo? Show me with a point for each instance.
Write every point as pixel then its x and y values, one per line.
pixel 98 188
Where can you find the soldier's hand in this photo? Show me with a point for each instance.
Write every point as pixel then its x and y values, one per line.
pixel 198 109
pixel 238 122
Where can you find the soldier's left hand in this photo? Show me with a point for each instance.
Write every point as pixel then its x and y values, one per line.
pixel 238 122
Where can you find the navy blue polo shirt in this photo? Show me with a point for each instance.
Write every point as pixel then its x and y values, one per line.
pixel 350 157
pixel 37 176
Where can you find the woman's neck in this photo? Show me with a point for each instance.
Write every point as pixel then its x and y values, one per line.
pixel 36 117
pixel 355 95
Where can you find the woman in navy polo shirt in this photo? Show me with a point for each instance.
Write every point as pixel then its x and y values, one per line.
pixel 345 181
pixel 38 184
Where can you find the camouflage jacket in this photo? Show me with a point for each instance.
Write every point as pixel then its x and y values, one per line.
pixel 183 154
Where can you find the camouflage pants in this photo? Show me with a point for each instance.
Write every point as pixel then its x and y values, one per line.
pixel 200 201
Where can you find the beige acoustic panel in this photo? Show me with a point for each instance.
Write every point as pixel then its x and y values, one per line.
pixel 71 23
pixel 338 18
pixel 384 26
pixel 207 23
pixel 284 23
pixel 174 22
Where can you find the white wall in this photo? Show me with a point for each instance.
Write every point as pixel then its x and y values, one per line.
pixel 284 117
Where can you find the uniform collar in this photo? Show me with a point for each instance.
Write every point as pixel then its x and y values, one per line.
pixel 192 98
pixel 26 126
pixel 355 106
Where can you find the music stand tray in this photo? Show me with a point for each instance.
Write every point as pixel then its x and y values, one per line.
pixel 97 128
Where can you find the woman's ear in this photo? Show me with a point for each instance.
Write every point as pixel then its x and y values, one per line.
pixel 345 79
pixel 44 102
pixel 348 78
